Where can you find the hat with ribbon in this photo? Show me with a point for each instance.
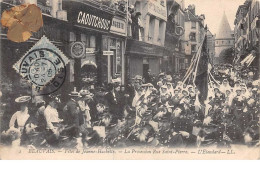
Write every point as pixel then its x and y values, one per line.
pixel 23 99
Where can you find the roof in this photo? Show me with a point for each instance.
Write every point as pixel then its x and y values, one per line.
pixel 224 29
pixel 209 33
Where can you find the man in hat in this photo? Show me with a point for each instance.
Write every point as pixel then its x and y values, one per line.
pixel 129 18
pixel 114 102
pixel 148 76
pixel 136 25
pixel 71 114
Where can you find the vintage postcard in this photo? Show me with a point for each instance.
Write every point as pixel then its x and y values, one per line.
pixel 130 79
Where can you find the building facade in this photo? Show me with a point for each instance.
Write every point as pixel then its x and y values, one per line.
pixel 194 31
pixel 247 31
pixel 174 57
pixel 147 50
pixel 211 44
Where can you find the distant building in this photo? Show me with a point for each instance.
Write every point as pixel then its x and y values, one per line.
pixel 224 38
pixel 174 56
pixel 194 31
pixel 211 44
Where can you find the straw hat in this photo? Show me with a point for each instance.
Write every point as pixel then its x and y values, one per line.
pixel 23 99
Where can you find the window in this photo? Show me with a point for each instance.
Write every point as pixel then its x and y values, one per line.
pixel 193 48
pixel 193 36
pixel 161 26
pixel 151 28
pixel 222 42
pixel 193 25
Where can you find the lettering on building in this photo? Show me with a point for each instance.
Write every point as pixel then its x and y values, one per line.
pixel 94 21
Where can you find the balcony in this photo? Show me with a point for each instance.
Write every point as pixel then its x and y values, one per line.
pixel 117 7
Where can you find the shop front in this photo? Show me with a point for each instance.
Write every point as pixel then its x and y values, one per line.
pixel 142 56
pixel 114 43
pixel 87 37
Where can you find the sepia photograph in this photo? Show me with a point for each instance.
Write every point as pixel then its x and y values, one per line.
pixel 130 79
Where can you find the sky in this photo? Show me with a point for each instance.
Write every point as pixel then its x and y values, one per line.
pixel 214 9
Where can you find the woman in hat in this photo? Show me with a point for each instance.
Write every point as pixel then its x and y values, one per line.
pixel 84 108
pixel 20 117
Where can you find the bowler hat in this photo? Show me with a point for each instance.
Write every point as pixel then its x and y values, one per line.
pixel 74 94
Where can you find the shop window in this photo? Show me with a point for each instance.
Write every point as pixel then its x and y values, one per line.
pixel 118 58
pixel 193 36
pixel 161 26
pixel 151 28
pixel 193 25
pixel 112 43
pixel 92 41
pixel 193 48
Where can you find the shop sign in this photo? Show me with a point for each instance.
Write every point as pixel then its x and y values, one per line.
pixel 157 9
pixel 77 50
pixel 82 14
pixel 138 47
pixel 108 53
pixel 118 26
pixel 90 50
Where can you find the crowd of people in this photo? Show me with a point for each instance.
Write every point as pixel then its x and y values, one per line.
pixel 157 112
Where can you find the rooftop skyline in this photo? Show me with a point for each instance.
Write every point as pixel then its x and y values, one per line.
pixel 214 9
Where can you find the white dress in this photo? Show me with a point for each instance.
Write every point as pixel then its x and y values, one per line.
pixel 20 117
pixel 51 115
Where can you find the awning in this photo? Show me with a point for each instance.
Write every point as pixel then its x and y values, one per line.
pixel 89 60
pixel 143 48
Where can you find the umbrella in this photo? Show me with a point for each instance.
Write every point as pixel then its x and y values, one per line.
pixel 21 21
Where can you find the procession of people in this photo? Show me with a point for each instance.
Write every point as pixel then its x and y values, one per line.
pixel 152 111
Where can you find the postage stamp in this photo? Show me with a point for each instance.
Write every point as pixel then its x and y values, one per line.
pixel 43 66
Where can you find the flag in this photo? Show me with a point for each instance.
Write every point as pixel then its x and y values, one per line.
pixel 201 72
pixel 198 70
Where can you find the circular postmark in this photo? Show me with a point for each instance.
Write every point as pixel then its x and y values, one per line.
pixel 44 69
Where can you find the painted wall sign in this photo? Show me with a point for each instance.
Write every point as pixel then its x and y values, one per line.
pixel 157 9
pixel 118 26
pixel 82 14
pixel 77 50
pixel 90 50
pixel 108 52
